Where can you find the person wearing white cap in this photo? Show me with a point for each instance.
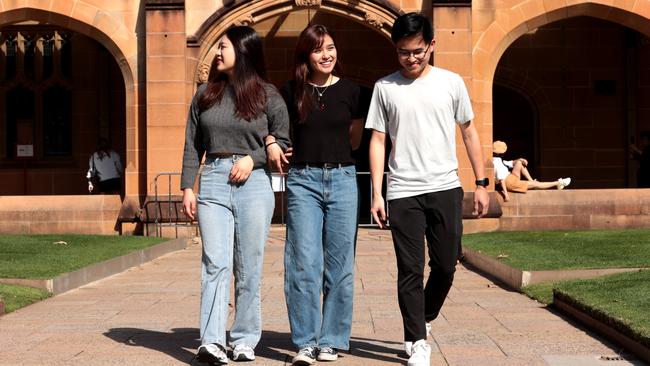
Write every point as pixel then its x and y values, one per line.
pixel 508 173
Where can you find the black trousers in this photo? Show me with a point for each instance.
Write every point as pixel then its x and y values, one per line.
pixel 436 216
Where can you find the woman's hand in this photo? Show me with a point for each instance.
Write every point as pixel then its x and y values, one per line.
pixel 241 170
pixel 276 158
pixel 189 203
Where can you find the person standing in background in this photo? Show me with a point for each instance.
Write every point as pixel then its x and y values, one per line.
pixel 105 168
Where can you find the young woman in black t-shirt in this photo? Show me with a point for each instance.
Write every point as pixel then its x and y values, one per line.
pixel 326 126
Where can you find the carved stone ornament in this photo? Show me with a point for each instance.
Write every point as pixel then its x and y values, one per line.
pixel 246 20
pixel 302 3
pixel 373 20
pixel 204 72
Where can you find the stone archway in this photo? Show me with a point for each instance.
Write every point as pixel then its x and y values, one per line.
pixel 378 15
pixel 120 43
pixel 511 23
pixel 560 136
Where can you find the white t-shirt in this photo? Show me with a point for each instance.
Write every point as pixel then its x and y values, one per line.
pixel 501 168
pixel 420 116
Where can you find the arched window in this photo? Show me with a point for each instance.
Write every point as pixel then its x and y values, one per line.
pixel 35 64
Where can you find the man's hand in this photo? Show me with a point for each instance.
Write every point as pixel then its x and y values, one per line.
pixel 241 169
pixel 379 212
pixel 189 203
pixel 481 201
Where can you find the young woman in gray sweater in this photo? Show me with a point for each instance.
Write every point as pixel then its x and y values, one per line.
pixel 231 121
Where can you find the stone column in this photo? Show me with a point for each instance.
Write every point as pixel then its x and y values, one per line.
pixel 165 79
pixel 452 25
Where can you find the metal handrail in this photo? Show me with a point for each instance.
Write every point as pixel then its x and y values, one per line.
pixel 159 221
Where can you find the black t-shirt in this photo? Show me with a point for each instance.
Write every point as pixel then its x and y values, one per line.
pixel 324 137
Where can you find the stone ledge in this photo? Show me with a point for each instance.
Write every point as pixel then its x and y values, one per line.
pixel 98 271
pixel 516 278
pixel 630 344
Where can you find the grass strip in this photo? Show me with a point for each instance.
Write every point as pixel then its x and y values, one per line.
pixel 47 256
pixel 552 250
pixel 542 292
pixel 622 301
pixel 16 297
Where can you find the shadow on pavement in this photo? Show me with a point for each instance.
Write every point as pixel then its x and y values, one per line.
pixel 374 349
pixel 181 343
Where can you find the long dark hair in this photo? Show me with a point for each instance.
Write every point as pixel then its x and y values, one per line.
pixel 310 39
pixel 248 77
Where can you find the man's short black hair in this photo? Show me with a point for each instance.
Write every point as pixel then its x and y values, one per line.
pixel 409 25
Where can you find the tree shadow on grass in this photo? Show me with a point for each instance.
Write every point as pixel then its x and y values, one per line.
pixel 181 344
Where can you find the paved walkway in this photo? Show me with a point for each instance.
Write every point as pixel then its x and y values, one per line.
pixel 149 315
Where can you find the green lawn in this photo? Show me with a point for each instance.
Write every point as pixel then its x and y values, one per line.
pixel 16 297
pixel 622 300
pixel 549 250
pixel 38 256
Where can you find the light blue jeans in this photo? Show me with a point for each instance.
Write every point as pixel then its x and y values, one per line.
pixel 234 220
pixel 319 255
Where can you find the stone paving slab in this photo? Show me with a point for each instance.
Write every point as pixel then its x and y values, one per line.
pixel 148 315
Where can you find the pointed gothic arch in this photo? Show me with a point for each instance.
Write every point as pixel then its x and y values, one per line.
pixel 120 42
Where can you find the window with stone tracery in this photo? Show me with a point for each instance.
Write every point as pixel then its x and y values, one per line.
pixel 35 90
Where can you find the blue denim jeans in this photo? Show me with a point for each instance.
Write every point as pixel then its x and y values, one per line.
pixel 319 255
pixel 234 220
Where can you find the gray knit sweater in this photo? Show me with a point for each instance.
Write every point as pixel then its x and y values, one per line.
pixel 219 130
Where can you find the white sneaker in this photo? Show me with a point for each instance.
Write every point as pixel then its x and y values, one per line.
pixel 409 345
pixel 420 354
pixel 243 352
pixel 327 354
pixel 563 182
pixel 213 354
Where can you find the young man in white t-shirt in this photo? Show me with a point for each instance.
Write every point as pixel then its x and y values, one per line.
pixel 419 107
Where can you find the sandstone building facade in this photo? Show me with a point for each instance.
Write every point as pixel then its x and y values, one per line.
pixel 565 82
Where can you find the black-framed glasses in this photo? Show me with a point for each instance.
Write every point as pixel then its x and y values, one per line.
pixel 417 54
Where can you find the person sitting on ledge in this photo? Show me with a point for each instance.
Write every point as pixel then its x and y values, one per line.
pixel 508 174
